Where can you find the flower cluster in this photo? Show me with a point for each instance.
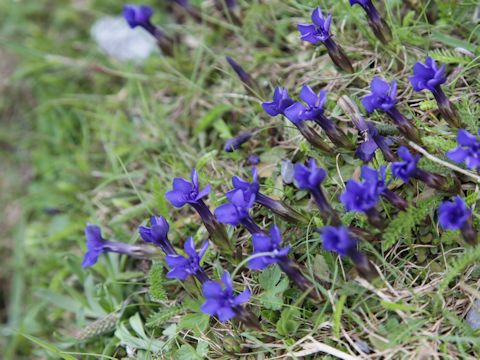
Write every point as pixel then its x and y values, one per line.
pixel 267 246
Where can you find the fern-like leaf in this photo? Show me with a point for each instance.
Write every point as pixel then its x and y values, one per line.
pixel 401 227
pixel 457 266
pixel 163 315
pixel 156 280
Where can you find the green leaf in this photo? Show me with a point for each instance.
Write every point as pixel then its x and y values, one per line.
pixel 49 347
pixel 127 338
pixel 155 281
pixel 287 325
pixel 186 352
pixel 337 315
pixel 197 322
pixel 453 41
pixel 210 117
pixel 269 280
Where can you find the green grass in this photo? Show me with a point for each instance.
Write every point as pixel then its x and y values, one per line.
pixel 87 139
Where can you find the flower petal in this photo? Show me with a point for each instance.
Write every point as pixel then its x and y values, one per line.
pixel 182 185
pixel 261 243
pixel 212 289
pixel 308 96
pixel 294 112
pixel 204 192
pixel 458 155
pixel 465 138
pixel 210 307
pixel 241 298
pixel 189 248
pixel 228 214
pixel 225 313
pixel 317 17
pixel 176 198
pixel 271 108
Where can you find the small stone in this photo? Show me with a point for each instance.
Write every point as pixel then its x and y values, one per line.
pixel 363 346
pixel 118 40
pixel 287 171
pixel 473 316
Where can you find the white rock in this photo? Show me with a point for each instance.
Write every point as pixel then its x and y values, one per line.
pixel 118 40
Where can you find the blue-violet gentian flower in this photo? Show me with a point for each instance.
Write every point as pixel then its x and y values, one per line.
pixel 455 215
pixel 271 243
pixel 383 98
pixel 377 24
pixel 236 211
pixel 313 109
pixel 278 207
pixel 338 240
pixel 319 31
pixel 235 143
pixel 140 15
pixel 186 192
pixel 280 103
pixel 97 245
pixel 428 76
pixel 221 301
pixel 468 150
pixel 157 234
pixel 181 267
pixel 370 139
pixel 310 178
pixel 407 169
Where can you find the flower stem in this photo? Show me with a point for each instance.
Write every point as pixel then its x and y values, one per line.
pixel 338 56
pixel 281 209
pixel 405 126
pixel 446 108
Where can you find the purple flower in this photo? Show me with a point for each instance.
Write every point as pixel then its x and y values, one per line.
pixel 427 76
pixel 253 159
pixel 360 2
pixel 338 240
pixel 382 95
pixel 317 32
pixel 309 178
pixel 453 215
pixel 185 192
pixel 281 101
pixel 276 206
pixel 359 197
pixel 405 169
pixel 265 243
pixel 138 15
pixel 468 150
pixel 378 25
pixel 96 245
pixel 221 302
pixel 181 267
pixel 363 196
pixel 157 234
pixel 298 111
pixel 237 210
pixel 235 143
pixel 231 4
pixel 240 184
pixel 242 74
